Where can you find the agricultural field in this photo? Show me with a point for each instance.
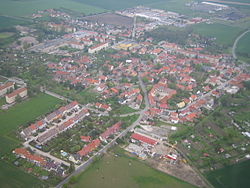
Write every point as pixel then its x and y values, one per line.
pixel 233 176
pixel 175 6
pixel 22 114
pixel 243 47
pixel 6 22
pixel 122 171
pixel 28 7
pixel 117 4
pixel 11 176
pixel 5 35
pixel 113 19
pixel 224 34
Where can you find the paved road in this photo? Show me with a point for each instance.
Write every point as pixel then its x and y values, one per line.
pixel 26 144
pixel 236 42
pixel 229 2
pixel 56 95
pixel 84 165
pixel 67 99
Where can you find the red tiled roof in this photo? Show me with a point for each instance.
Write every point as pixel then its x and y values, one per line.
pixel 23 152
pixel 90 147
pixel 144 139
pixel 4 86
pixel 16 92
pixel 85 138
pixel 111 130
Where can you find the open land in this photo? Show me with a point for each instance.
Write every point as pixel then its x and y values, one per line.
pixel 25 8
pixel 4 35
pixel 231 177
pixel 117 4
pixel 110 18
pixel 123 171
pixel 11 176
pixel 224 34
pixel 7 22
pixel 243 48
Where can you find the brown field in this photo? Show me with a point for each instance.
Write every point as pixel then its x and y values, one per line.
pixel 111 19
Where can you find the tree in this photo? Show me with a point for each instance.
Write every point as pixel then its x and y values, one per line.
pixel 18 99
pixel 247 84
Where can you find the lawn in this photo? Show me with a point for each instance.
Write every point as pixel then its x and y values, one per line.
pixel 124 172
pixel 12 177
pixel 22 114
pixel 224 34
pixel 28 7
pixel 234 176
pixel 123 109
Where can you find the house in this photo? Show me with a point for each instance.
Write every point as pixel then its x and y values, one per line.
pixel 109 131
pixel 98 47
pixel 77 45
pixel 6 87
pixel 33 128
pixel 181 104
pixel 85 138
pixel 103 106
pixel 88 148
pixel 22 152
pixel 21 92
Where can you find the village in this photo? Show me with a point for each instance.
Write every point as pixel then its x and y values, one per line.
pixel 131 88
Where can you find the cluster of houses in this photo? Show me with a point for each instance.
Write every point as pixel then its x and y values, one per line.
pixel 97 142
pixel 11 94
pixel 46 164
pixel 175 63
pixel 61 127
pixel 57 114
pixel 132 98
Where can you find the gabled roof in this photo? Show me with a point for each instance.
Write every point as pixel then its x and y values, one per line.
pixel 143 139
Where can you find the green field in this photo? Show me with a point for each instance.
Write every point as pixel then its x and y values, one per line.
pixel 5 35
pixel 243 47
pixel 22 114
pixel 224 34
pixel 118 4
pixel 234 176
pixel 175 6
pixel 6 22
pixel 12 177
pixel 125 172
pixel 28 7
